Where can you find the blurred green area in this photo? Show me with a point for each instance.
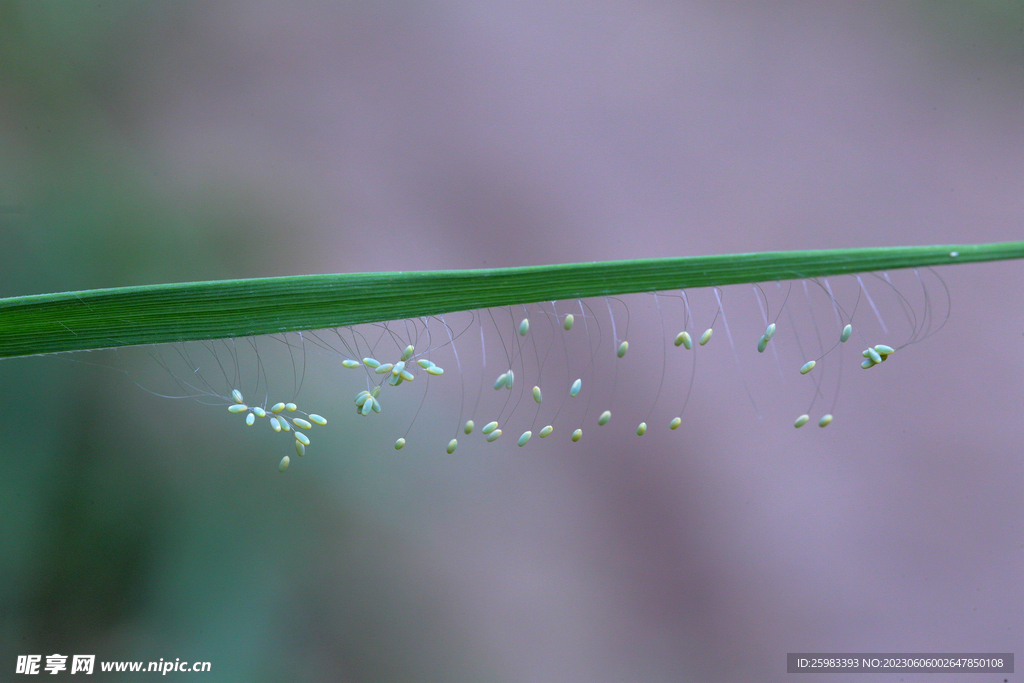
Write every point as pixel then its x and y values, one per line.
pixel 83 204
pixel 137 538
pixel 972 33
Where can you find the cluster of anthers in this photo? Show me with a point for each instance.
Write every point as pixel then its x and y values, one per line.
pixel 396 373
pixel 506 380
pixel 874 356
pixel 367 401
pixel 279 422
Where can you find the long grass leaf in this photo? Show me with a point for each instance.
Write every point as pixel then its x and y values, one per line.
pixel 124 316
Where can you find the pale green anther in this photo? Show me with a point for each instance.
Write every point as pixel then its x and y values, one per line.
pixel 494 436
pixel 376 405
pixel 275 424
pixel 238 408
pixel 605 416
pixel 807 367
pixel 847 331
pixel 801 421
pixel 866 353
pixel 500 382
pixel 537 396
pixel 762 344
pixel 568 322
pixel 381 369
pixel 577 435
pixel 524 327
pixel 302 438
pixel 284 425
pixel 525 437
pixel 424 363
pixel 237 395
pixel 509 378
pixel 259 412
pixel 399 443
pixel 285 461
pixel 884 350
pixel 642 429
pixel 406 375
pixel 623 347
pixel 317 419
pixel 468 429
pixel 367 407
pixel 362 398
pixel 277 408
pixel 349 363
pixel 250 419
pixel 706 337
pixel 395 380
pixel 371 362
pixel 376 392
pixel 291 407
pixel 546 431
pixel 770 332
pixel 575 389
pixel 489 427
pixel 452 445
pixel 435 370
pixel 399 366
pixel 825 420
pixel 674 424
pixel 868 363
pixel 409 350
pixel 299 448
pixel 679 339
pixel 874 355
pixel 299 422
pixel 684 337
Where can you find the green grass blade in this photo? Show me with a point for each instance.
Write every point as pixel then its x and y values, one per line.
pixel 125 316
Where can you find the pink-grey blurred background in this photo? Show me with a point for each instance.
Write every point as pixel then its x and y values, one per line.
pixel 145 142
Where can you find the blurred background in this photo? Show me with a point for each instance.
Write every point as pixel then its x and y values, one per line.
pixel 158 142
